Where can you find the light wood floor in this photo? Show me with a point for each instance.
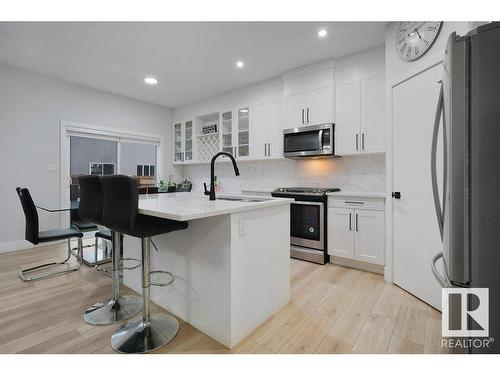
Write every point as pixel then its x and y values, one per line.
pixel 333 309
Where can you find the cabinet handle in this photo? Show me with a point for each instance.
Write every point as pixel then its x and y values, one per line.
pixel 357 148
pixel 357 229
pixel 307 115
pixel 302 115
pixel 353 202
pixel 350 227
pixel 362 141
pixel 268 149
pixel 265 149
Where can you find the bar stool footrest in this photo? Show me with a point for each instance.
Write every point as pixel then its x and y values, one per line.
pixel 167 283
pixel 122 267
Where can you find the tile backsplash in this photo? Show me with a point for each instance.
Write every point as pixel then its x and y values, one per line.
pixel 349 173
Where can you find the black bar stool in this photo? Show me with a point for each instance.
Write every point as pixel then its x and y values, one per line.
pixel 121 213
pixel 116 308
pixel 33 235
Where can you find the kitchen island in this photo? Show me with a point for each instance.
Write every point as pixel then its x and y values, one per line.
pixel 231 264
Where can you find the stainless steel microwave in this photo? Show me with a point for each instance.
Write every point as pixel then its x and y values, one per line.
pixel 307 141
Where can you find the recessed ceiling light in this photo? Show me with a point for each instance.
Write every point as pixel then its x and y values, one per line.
pixel 240 64
pixel 322 33
pixel 244 110
pixel 151 80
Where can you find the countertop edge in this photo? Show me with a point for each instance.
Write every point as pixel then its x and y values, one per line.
pixel 187 217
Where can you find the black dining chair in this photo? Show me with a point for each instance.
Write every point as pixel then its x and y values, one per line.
pixel 35 236
pixel 117 307
pixel 121 214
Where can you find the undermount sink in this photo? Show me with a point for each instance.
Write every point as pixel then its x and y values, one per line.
pixel 243 199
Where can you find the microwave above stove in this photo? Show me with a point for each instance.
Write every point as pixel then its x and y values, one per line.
pixel 309 141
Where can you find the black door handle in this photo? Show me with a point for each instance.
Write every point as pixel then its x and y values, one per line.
pixel 396 194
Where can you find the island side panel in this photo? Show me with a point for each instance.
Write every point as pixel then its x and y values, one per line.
pixel 199 257
pixel 260 267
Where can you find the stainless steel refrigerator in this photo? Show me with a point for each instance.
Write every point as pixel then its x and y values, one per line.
pixel 468 212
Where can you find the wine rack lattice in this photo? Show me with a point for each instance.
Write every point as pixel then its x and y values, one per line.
pixel 208 146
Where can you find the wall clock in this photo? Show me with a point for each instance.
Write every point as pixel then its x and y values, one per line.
pixel 414 39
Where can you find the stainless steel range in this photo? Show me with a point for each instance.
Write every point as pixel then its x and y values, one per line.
pixel 307 222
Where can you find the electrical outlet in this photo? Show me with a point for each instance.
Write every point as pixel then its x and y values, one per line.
pixel 243 227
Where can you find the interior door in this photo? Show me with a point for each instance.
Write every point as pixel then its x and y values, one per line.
pixel 369 236
pixel 348 116
pixel 415 232
pixel 373 113
pixel 319 99
pixel 341 232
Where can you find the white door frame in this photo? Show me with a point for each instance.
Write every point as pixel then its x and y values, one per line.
pixel 101 132
pixel 390 85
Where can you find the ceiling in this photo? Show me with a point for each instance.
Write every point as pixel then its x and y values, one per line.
pixel 192 60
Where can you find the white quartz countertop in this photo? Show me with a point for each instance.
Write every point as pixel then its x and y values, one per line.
pixel 190 206
pixel 357 194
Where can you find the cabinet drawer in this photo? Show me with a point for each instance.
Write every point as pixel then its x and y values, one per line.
pixel 368 203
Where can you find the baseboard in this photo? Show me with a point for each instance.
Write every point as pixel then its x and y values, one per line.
pixel 369 267
pixel 8 247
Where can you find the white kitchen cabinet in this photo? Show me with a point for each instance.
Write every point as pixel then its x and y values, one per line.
pixel 348 116
pixel 266 129
pixel 369 236
pixel 360 108
pixel 340 234
pixel 356 229
pixel 309 99
pixel 183 142
pixel 235 132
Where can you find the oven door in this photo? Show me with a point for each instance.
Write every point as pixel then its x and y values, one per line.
pixel 307 224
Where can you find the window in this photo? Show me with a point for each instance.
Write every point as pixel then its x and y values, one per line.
pixel 146 170
pixel 92 156
pixel 101 169
pixel 138 159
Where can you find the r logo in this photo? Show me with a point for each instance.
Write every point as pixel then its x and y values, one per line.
pixel 465 312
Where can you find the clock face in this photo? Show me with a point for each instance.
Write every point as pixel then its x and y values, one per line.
pixel 415 38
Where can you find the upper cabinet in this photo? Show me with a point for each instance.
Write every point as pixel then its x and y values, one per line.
pixel 183 142
pixel 309 99
pixel 266 128
pixel 360 107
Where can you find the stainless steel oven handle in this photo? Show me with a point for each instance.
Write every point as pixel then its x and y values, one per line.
pixel 320 139
pixel 307 203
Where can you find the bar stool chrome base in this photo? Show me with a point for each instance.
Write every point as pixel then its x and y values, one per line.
pixel 136 336
pixel 112 311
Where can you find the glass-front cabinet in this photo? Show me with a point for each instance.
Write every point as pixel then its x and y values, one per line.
pixel 227 132
pixel 183 141
pixel 188 141
pixel 178 142
pixel 235 135
pixel 243 133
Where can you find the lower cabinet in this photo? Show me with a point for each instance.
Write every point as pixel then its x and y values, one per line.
pixel 356 233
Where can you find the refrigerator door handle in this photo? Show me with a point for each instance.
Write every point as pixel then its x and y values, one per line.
pixel 435 190
pixel 442 280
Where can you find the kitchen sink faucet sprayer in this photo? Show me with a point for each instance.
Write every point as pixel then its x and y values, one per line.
pixel 212 173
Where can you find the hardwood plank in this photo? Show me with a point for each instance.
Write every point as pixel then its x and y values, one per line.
pixel 401 346
pixel 332 345
pixel 411 321
pixel 373 338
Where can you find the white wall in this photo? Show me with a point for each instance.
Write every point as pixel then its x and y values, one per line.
pixel 31 108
